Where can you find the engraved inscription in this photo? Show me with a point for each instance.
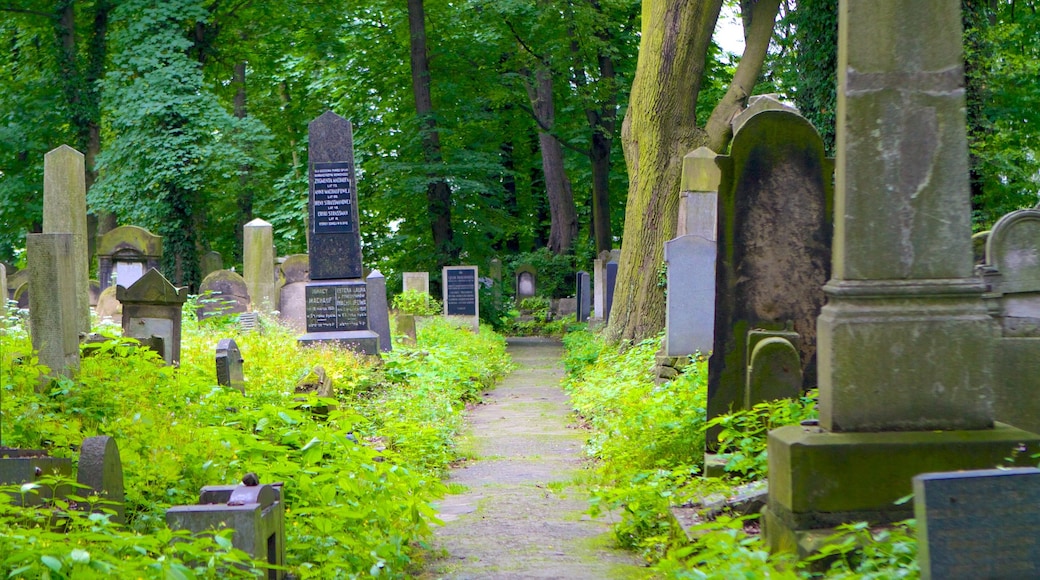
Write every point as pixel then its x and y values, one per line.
pixel 333 198
pixel 461 299
pixel 334 308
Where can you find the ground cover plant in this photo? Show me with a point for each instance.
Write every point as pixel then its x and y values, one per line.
pixel 359 476
pixel 647 440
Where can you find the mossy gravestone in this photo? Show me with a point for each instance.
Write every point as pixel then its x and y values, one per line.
pixel 229 365
pixel 65 212
pixel 53 313
pixel 774 248
pixel 223 292
pixel 126 253
pixel 258 258
pixel 152 310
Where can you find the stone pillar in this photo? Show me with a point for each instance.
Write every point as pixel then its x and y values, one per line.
pixel 904 340
pixel 53 317
pixel 598 285
pixel 699 187
pixel 258 257
pixel 65 212
pixel 378 310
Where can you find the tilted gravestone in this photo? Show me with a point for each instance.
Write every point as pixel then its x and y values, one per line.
pixel 152 310
pixel 222 293
pixel 905 340
pixel 293 276
pixel 379 310
pixel 461 294
pixel 65 211
pixel 978 524
pixel 101 470
pixel 336 299
pixel 53 310
pixel 258 264
pixel 583 289
pixel 774 248
pixel 774 367
pixel 126 253
pixel 229 365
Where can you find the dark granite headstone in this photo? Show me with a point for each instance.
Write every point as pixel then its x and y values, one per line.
pixel 101 470
pixel 610 275
pixel 229 365
pixel 978 524
pixel 335 240
pixel 337 311
pixel 461 296
pixel 583 292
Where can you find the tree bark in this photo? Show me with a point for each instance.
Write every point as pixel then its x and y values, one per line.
pixel 659 128
pixel 438 193
pixel 563 215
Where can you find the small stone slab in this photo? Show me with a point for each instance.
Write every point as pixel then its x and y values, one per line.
pixel 583 293
pixel 229 365
pixel 101 469
pixel 978 524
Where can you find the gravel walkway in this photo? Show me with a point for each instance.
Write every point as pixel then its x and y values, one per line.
pixel 521 514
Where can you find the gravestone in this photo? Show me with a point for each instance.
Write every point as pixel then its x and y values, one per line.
pixel 378 310
pixel 774 367
pixel 978 524
pixel 3 284
pixel 774 248
pixel 699 191
pixel 417 282
pixel 904 341
pixel 53 310
pixel 978 247
pixel 461 295
pixel 258 264
pixel 406 328
pixel 65 212
pixel 126 253
pixel 599 281
pixel 152 310
pixel 15 279
pixel 293 276
pixel 582 291
pixel 610 280
pixel 210 262
pixel 94 292
pixel 222 293
pixel 20 466
pixel 690 303
pixel 21 295
pixel 336 300
pixel 526 282
pixel 758 103
pixel 229 365
pixel 101 470
pixel 107 306
pixel 495 271
pixel 255 513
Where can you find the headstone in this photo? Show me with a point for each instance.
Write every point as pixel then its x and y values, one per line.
pixel 774 367
pixel 3 284
pixel 316 381
pixel 978 247
pixel 757 104
pixel 526 283
pixel 210 262
pixel 335 236
pixel 65 211
pixel 610 280
pixel 53 314
pixel 405 325
pixel 101 470
pixel 774 248
pixel 978 524
pixel 21 295
pixel 229 365
pixel 293 276
pixel 564 307
pixel 152 309
pixel 126 253
pixel 461 295
pixel 15 279
pixel 417 282
pixel 583 289
pixel 258 257
pixel 256 514
pixel 108 307
pixel 690 302
pixel 19 466
pixel 598 284
pixel 94 292
pixel 337 312
pixel 378 310
pixel 698 200
pixel 904 341
pixel 222 293
pixel 495 270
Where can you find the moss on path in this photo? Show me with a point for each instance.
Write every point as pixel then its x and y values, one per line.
pixel 522 512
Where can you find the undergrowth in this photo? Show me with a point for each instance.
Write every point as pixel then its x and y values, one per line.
pixel 359 478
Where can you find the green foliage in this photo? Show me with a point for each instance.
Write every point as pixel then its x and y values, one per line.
pixel 743 434
pixel 724 550
pixel 417 303
pixel 359 476
pixel 859 551
pixel 555 274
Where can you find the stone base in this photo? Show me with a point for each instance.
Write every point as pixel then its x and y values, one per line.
pixel 362 341
pixel 714 465
pixel 819 479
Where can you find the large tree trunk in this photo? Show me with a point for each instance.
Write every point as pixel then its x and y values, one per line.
pixel 438 193
pixel 563 216
pixel 659 128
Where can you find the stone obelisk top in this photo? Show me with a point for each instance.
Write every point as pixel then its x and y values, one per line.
pixel 65 211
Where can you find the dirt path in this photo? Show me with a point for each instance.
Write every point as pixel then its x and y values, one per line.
pixel 521 515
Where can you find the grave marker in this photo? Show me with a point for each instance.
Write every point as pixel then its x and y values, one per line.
pixel 461 294
pixel 152 310
pixel 101 470
pixel 258 266
pixel 65 211
pixel 229 365
pixel 126 253
pixel 610 279
pixel 293 276
pixel 582 291
pixel 210 262
pixel 222 293
pixel 599 281
pixel 53 310
pixel 417 282
pixel 378 310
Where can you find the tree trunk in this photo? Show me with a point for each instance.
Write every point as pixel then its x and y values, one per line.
pixel 563 215
pixel 659 128
pixel 245 193
pixel 438 193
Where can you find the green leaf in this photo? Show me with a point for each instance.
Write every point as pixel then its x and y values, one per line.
pixel 51 562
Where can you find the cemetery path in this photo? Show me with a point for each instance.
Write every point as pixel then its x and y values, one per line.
pixel 522 512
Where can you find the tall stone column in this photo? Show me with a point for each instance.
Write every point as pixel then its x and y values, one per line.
pixel 258 258
pixel 65 212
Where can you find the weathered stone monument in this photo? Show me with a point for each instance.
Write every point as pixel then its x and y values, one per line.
pixel 210 262
pixel 609 281
pixel 258 264
pixel 378 309
pixel 101 470
pixel 774 250
pixel 461 294
pixel 53 309
pixel 599 283
pixel 126 253
pixel 65 211
pixel 229 365
pixel 222 293
pixel 526 282
pixel 336 299
pixel 904 340
pixel 582 294
pixel 690 302
pixel 152 313
pixel 293 276
pixel 417 282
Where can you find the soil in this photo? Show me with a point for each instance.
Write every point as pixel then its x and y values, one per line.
pixel 521 508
